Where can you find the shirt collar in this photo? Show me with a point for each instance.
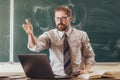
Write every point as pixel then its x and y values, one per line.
pixel 61 33
pixel 68 32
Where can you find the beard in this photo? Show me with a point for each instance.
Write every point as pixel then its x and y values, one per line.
pixel 62 27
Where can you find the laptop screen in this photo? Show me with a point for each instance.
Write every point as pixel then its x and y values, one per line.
pixel 36 66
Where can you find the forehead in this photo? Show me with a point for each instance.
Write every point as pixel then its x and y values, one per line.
pixel 60 13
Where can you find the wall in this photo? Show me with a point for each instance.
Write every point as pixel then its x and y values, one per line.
pixel 4 29
pixel 99 18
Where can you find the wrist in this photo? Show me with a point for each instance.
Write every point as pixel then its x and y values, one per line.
pixel 87 70
pixel 31 34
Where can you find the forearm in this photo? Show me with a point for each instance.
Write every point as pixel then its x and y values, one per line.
pixel 32 40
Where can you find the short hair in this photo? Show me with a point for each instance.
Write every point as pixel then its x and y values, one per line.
pixel 66 9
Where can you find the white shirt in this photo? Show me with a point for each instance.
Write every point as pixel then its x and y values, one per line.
pixel 80 49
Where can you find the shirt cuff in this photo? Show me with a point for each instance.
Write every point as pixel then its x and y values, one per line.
pixel 32 48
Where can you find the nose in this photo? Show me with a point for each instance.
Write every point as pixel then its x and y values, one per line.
pixel 60 20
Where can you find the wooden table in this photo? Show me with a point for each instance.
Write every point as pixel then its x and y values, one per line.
pixel 56 79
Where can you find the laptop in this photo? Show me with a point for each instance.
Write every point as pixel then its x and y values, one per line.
pixel 37 66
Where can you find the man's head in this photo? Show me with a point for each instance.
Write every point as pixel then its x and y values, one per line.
pixel 63 17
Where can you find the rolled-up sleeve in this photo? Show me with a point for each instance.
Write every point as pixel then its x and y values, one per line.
pixel 43 42
pixel 87 51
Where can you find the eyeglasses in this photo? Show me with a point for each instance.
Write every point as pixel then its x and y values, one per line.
pixel 63 18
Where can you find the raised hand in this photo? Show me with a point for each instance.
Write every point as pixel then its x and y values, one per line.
pixel 28 28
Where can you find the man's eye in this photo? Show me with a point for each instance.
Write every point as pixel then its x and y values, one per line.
pixel 63 17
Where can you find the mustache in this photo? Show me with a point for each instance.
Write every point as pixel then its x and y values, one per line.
pixel 60 24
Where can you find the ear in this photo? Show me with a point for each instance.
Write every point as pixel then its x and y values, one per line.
pixel 70 18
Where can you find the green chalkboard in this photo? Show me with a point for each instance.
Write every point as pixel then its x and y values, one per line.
pixel 99 18
pixel 4 30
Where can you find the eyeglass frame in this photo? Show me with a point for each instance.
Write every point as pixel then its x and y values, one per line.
pixel 63 18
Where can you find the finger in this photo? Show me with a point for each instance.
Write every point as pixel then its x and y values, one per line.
pixel 80 72
pixel 25 27
pixel 28 22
